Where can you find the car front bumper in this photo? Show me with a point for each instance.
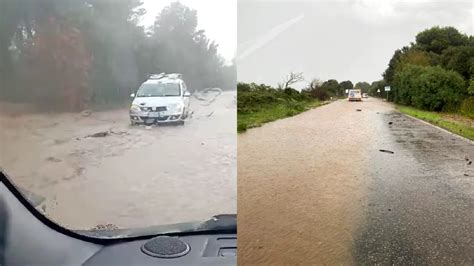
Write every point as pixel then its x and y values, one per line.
pixel 145 118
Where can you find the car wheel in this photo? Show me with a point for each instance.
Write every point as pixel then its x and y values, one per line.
pixel 181 123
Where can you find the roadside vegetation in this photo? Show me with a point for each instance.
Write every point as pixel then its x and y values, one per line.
pixel 433 79
pixel 259 104
pixel 71 55
pixel 454 123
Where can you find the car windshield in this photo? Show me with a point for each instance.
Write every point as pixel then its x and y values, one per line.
pixel 68 131
pixel 159 89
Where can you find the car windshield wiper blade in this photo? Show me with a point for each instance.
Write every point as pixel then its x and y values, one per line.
pixel 219 223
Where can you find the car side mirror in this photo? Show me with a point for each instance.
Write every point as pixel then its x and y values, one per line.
pixel 187 94
pixel 132 95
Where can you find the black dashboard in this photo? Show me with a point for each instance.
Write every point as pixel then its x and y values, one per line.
pixel 29 238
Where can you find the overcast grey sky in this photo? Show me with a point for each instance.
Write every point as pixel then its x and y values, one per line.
pixel 344 40
pixel 217 17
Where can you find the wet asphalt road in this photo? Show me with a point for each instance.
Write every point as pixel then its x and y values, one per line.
pixel 315 188
pixel 421 198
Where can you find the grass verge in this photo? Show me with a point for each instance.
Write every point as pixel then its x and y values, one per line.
pixel 455 123
pixel 271 113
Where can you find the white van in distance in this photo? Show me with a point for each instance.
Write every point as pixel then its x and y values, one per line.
pixel 355 95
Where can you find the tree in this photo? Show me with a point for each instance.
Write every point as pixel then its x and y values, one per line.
pixel 109 52
pixel 54 46
pixel 347 85
pixel 436 39
pixel 459 59
pixel 377 88
pixel 317 91
pixel 363 86
pixel 470 89
pixel 291 79
pixel 178 46
pixel 389 73
pixel 413 56
pixel 430 88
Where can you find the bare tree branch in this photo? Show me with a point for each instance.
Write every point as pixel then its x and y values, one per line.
pixel 292 78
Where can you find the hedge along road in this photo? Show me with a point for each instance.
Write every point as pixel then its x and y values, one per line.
pixel 134 176
pixel 317 188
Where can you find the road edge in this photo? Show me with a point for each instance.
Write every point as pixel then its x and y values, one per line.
pixel 324 103
pixel 440 128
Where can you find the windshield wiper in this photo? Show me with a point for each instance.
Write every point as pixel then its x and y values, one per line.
pixel 223 223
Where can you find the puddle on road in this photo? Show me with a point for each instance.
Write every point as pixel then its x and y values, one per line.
pixel 131 176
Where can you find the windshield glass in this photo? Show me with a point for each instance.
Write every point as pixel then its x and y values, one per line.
pixel 69 134
pixel 159 89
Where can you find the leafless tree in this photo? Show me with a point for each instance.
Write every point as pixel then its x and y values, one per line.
pixel 314 84
pixel 290 79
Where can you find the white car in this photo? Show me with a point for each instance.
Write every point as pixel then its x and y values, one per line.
pixel 163 98
pixel 355 95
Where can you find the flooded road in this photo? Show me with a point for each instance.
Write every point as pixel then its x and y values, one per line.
pixel 316 188
pixel 134 176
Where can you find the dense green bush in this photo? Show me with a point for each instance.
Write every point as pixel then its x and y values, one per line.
pixel 470 90
pixel 252 97
pixel 467 107
pixel 429 88
pixel 434 73
pixel 404 84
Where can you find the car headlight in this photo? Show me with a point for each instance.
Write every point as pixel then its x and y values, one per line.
pixel 176 107
pixel 134 108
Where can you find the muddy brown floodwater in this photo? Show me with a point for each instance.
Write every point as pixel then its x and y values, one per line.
pixel 134 176
pixel 355 183
pixel 301 185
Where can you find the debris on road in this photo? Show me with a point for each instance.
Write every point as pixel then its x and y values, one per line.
pixel 104 227
pixel 358 110
pixel 98 135
pixel 210 114
pixel 204 95
pixel 53 159
pixel 466 158
pixel 469 163
pixel 466 175
pixel 106 133
pixel 86 113
pixel 60 141
pixel 118 132
pixel 387 151
pixel 390 122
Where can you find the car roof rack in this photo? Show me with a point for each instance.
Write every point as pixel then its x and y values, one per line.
pixel 164 75
pixel 157 76
pixel 174 76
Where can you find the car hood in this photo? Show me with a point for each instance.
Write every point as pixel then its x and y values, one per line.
pixel 157 101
